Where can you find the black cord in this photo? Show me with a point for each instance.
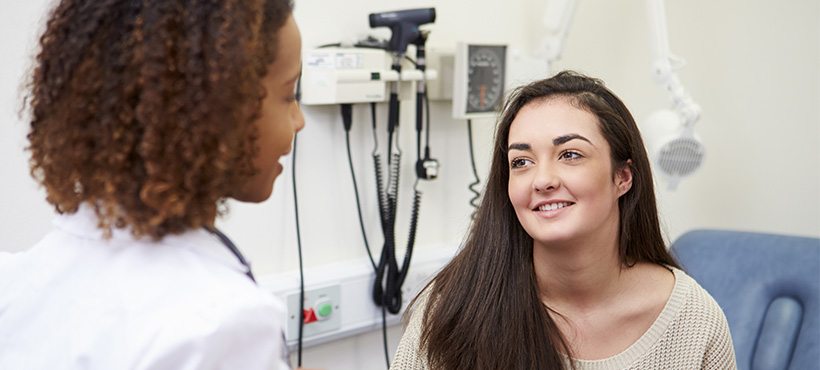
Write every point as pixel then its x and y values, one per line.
pixel 375 136
pixel 475 173
pixel 298 95
pixel 301 270
pixel 384 335
pixel 427 113
pixel 389 276
pixel 377 166
pixel 387 289
pixel 347 120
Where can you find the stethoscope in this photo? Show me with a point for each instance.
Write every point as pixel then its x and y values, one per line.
pixel 232 247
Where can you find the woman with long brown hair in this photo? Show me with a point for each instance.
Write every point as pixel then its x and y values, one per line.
pixel 565 265
pixel 145 116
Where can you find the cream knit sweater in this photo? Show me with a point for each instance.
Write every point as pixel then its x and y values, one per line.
pixel 690 333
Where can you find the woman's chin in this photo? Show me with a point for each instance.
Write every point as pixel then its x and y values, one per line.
pixel 251 198
pixel 256 193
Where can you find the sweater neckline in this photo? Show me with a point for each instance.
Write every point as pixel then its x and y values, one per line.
pixel 652 335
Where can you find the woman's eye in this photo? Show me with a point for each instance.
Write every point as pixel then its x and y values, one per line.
pixel 294 95
pixel 570 155
pixel 518 163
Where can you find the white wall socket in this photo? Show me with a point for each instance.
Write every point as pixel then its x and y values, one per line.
pixel 314 298
pixel 354 280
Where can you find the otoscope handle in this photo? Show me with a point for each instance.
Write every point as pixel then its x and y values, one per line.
pixel 393 119
pixel 419 110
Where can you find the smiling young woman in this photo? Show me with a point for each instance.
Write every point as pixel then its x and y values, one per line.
pixel 565 265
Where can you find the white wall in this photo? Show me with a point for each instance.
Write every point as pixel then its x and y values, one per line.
pixel 753 66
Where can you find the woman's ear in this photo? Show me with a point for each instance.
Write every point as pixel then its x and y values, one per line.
pixel 623 178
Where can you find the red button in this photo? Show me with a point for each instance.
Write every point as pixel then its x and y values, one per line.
pixel 310 316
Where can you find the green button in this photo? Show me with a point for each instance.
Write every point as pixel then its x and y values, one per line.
pixel 325 309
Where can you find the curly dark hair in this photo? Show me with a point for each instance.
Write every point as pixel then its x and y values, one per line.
pixel 144 109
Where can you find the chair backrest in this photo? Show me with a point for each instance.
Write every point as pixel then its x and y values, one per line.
pixel 769 288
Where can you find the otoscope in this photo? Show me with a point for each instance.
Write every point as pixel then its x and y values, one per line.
pixel 426 168
pixel 404 25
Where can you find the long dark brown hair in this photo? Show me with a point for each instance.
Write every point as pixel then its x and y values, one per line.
pixel 145 109
pixel 484 311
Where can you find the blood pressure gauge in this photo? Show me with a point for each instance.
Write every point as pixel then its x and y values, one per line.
pixel 478 80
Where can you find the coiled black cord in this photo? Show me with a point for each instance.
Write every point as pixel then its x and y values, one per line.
pixel 392 192
pixel 386 292
pixel 377 165
pixel 389 276
pixel 474 200
pixel 411 238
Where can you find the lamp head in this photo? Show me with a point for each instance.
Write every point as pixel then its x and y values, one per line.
pixel 674 149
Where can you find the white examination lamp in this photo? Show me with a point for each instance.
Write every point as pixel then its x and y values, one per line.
pixel 557 19
pixel 674 148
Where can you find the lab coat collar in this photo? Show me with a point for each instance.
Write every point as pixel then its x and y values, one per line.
pixel 84 225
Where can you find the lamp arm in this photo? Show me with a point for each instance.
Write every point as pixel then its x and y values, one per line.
pixel 664 64
pixel 557 18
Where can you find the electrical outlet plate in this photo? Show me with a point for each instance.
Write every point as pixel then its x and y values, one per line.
pixel 354 279
pixel 330 294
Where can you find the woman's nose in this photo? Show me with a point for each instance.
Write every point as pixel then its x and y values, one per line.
pixel 298 119
pixel 546 179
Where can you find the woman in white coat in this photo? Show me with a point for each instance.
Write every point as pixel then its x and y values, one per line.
pixel 145 116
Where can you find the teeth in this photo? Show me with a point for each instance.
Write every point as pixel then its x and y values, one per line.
pixel 553 206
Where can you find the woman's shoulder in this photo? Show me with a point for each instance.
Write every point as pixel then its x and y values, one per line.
pixel 409 355
pixel 700 325
pixel 189 272
pixel 697 299
pixel 699 312
pixel 416 311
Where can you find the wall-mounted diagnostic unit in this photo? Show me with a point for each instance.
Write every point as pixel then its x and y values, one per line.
pixel 478 81
pixel 352 75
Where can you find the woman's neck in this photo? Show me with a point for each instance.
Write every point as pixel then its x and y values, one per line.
pixel 580 276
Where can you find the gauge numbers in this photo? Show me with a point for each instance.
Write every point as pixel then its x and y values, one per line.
pixel 478 79
pixel 485 77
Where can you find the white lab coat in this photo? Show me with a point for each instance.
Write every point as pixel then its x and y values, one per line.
pixel 76 301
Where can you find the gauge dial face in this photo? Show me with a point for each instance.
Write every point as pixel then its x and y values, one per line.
pixel 485 76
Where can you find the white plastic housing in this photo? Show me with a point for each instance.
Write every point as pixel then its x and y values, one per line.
pixel 353 75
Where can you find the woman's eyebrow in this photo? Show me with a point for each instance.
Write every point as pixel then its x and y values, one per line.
pixel 292 80
pixel 519 146
pixel 566 138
